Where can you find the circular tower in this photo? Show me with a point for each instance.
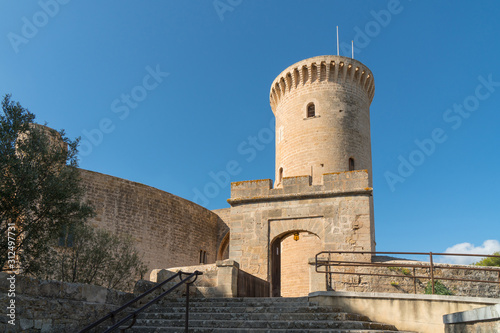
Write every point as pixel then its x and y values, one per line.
pixel 322 110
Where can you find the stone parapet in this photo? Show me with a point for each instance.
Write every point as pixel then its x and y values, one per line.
pixel 55 306
pixel 222 279
pixel 408 280
pixel 300 187
pixel 416 313
pixel 322 70
pixel 485 319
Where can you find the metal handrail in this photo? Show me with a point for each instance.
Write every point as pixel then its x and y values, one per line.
pixel 328 263
pixel 133 315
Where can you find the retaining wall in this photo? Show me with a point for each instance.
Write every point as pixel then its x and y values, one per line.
pixel 54 306
pixel 402 280
pixel 418 313
pixel 485 319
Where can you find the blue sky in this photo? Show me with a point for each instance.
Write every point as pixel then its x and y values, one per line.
pixel 164 92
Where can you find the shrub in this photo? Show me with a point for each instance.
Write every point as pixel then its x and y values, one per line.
pixel 439 288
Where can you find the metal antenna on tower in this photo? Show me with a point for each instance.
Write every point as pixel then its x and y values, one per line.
pixel 338 53
pixel 352 48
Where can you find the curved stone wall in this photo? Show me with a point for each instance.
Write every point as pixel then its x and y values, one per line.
pixel 167 230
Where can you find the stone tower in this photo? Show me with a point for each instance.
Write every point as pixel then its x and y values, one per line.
pixel 322 110
pixel 322 193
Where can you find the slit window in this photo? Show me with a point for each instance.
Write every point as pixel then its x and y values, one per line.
pixel 66 236
pixel 351 164
pixel 311 110
pixel 280 177
pixel 203 257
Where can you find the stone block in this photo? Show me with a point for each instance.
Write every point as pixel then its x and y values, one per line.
pixel 252 184
pixel 227 263
pixel 297 180
pixel 163 275
pixel 26 324
pixel 50 288
pixel 94 294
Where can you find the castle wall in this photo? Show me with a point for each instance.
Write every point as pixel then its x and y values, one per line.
pixel 338 212
pixel 167 230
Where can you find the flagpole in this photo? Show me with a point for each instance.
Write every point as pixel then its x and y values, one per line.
pixel 338 53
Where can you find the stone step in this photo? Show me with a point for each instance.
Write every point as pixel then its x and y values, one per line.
pixel 269 324
pixel 240 309
pixel 242 299
pixel 139 329
pixel 336 316
pixel 222 303
pixel 253 315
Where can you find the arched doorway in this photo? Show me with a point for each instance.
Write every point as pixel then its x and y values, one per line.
pixel 276 267
pixel 223 252
pixel 289 261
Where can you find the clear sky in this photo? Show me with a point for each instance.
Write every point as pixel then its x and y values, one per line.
pixel 167 93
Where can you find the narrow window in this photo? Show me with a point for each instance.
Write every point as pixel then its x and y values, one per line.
pixel 66 236
pixel 311 110
pixel 201 256
pixel 351 164
pixel 280 178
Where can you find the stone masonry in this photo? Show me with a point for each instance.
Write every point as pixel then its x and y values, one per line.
pixel 340 89
pixel 167 230
pixel 337 212
pixel 322 191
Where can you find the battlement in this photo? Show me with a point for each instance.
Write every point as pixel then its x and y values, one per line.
pixel 321 69
pixel 300 187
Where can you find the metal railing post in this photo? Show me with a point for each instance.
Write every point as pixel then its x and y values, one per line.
pixel 187 308
pixel 414 282
pixel 133 316
pixel 432 272
pixel 329 274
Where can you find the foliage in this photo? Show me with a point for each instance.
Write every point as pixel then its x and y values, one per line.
pixel 95 256
pixel 490 261
pixel 404 271
pixel 439 288
pixel 41 207
pixel 40 189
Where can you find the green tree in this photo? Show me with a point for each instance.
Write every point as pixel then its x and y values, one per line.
pixel 94 256
pixel 490 261
pixel 40 190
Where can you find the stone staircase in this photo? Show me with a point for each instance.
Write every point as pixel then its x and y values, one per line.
pixel 257 315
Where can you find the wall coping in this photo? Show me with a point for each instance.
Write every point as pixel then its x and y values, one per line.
pixel 31 287
pixel 132 184
pixel 299 196
pixel 480 314
pixel 417 297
